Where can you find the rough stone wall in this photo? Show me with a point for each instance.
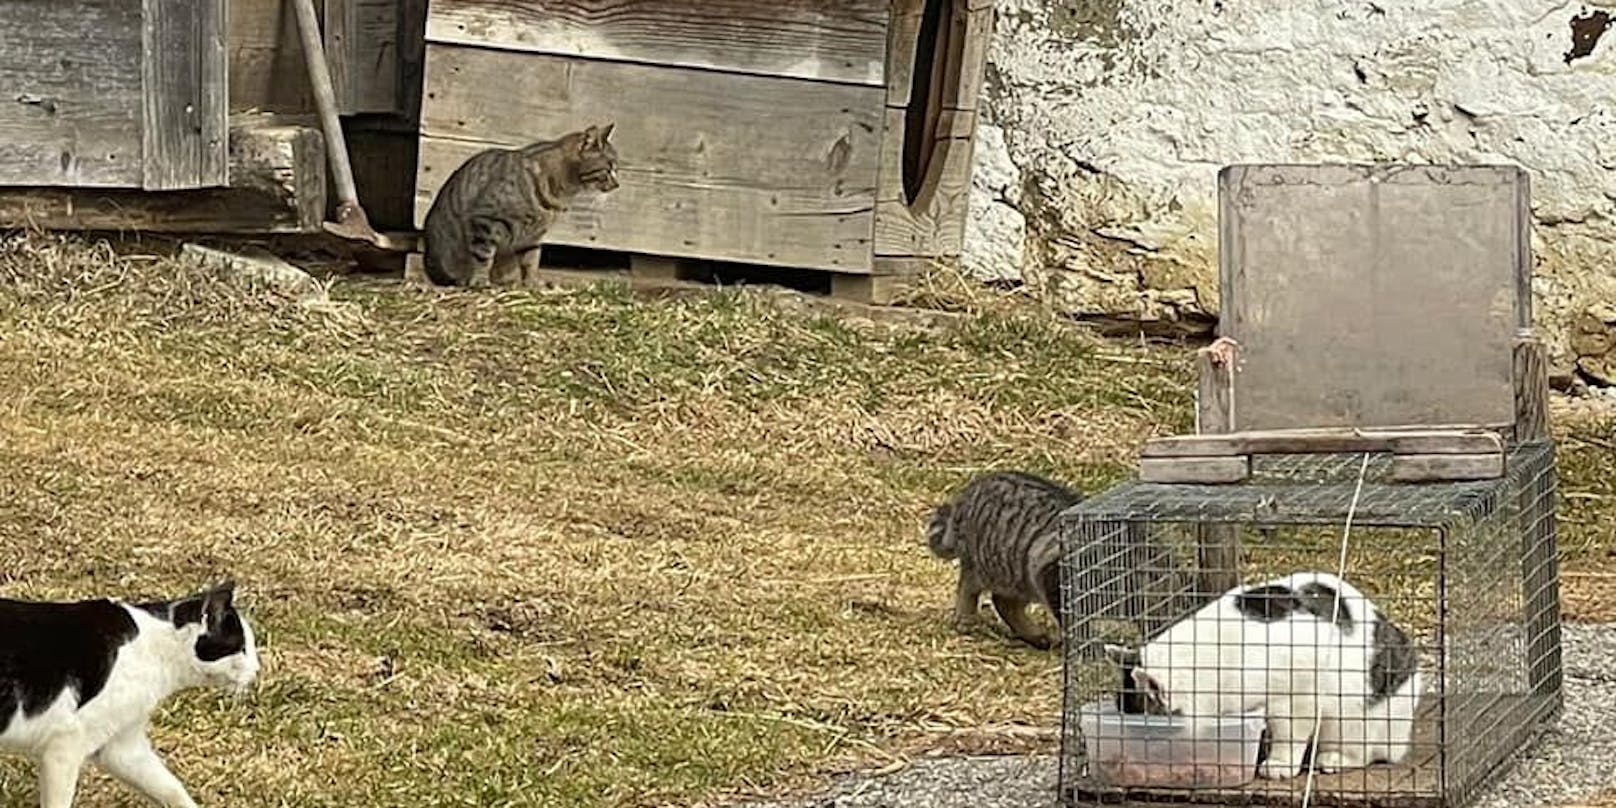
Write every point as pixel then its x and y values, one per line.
pixel 1107 120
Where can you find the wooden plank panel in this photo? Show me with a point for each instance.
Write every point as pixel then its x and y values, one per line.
pixel 1446 467
pixel 713 165
pixel 1207 470
pixel 973 27
pixel 278 186
pixel 1531 391
pixel 972 30
pixel 70 113
pixel 267 73
pixel 1330 276
pixel 361 39
pixel 903 33
pixel 1307 441
pixel 831 40
pixel 935 224
pixel 185 130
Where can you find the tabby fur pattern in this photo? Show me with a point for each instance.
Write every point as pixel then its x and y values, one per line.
pixel 500 203
pixel 1002 528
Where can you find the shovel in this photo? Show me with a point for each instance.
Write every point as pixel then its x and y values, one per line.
pixel 351 223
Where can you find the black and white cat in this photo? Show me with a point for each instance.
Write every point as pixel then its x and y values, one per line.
pixel 79 681
pixel 1304 646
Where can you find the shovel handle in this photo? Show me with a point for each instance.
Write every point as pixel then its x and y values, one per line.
pixel 325 100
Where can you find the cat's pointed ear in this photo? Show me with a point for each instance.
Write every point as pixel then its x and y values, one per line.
pixel 606 131
pixel 217 601
pixel 591 136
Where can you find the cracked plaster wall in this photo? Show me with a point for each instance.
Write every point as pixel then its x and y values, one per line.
pixel 1106 122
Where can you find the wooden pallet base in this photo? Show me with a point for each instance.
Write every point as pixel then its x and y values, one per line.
pixel 665 271
pixel 1418 455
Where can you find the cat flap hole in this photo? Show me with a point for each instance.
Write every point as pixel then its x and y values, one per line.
pixel 933 88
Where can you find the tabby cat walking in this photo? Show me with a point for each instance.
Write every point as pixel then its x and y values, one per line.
pixel 1001 526
pixel 79 681
pixel 501 202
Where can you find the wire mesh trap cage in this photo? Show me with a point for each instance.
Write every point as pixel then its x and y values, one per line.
pixel 1327 596
pixel 1465 571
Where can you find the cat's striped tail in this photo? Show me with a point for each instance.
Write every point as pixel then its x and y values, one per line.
pixel 940 532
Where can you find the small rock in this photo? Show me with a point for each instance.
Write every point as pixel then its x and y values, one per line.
pixel 259 267
pixel 1593 338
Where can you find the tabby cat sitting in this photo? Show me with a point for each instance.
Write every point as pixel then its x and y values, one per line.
pixel 500 203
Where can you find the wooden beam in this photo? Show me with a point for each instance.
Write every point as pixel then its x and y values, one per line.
pixel 70 113
pixel 1531 391
pixel 1424 468
pixel 1311 441
pixel 1194 469
pixel 841 41
pixel 713 165
pixel 871 290
pixel 934 223
pixel 969 41
pixel 903 34
pixel 1214 390
pixel 277 186
pixel 1217 547
pixel 411 41
pixel 185 139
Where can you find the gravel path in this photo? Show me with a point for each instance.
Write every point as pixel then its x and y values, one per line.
pixel 1574 762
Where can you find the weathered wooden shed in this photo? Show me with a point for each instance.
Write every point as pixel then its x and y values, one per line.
pixel 821 134
pixel 196 115
pixel 830 135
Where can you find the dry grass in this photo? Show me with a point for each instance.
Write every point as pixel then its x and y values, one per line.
pixel 559 548
pixel 1605 800
pixel 1587 515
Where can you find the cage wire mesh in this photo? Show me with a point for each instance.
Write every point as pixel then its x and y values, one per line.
pixel 1465 571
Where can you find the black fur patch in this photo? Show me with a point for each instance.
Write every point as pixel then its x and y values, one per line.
pixel 1274 602
pixel 1393 663
pixel 1133 699
pixel 48 647
pixel 222 633
pixel 1049 580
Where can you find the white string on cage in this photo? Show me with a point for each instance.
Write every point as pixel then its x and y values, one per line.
pixel 1335 609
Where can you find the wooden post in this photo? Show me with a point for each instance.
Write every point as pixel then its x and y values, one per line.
pixel 1531 390
pixel 184 105
pixel 1217 546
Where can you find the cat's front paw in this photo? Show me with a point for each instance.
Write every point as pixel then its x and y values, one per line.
pixel 1040 642
pixel 1272 769
pixel 1334 760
